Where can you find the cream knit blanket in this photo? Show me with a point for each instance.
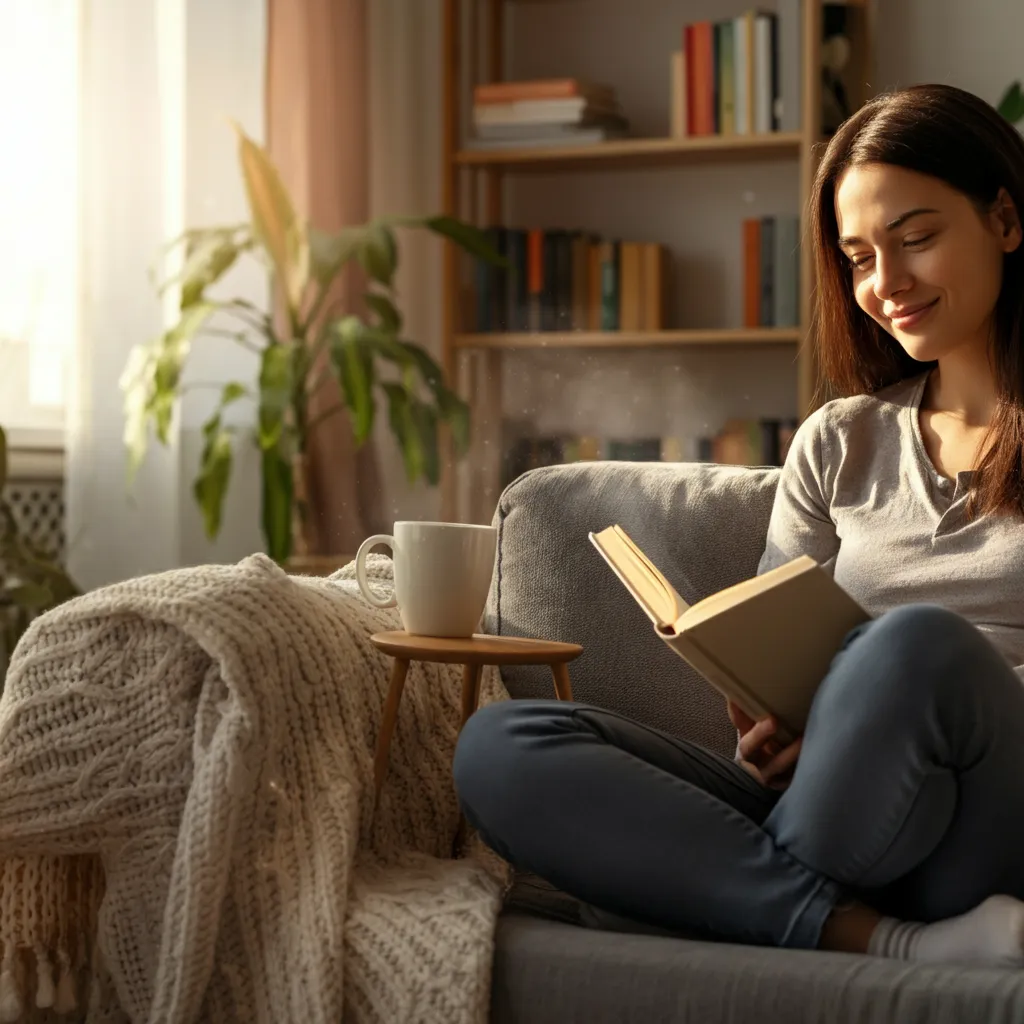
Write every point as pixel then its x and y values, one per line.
pixel 206 736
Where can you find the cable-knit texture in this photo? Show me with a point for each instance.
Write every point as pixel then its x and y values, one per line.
pixel 207 736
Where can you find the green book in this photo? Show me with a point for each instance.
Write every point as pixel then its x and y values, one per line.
pixel 725 65
pixel 610 290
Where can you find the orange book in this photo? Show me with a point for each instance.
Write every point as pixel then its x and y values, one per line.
pixel 655 261
pixel 541 89
pixel 593 286
pixel 631 287
pixel 752 272
pixel 534 276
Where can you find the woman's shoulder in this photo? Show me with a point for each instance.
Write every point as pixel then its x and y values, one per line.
pixel 867 412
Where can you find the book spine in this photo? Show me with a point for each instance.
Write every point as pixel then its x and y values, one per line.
pixel 703 79
pixel 594 284
pixel 741 71
pixel 716 76
pixel 752 272
pixel 727 78
pixel 500 284
pixel 535 277
pixel 549 288
pixel 610 286
pixel 767 271
pixel 563 292
pixel 484 274
pixel 787 271
pixel 690 71
pixel 776 102
pixel 762 73
pixel 578 319
pixel 789 63
pixel 630 309
pixel 540 89
pixel 517 313
pixel 655 258
pixel 770 441
pixel 677 99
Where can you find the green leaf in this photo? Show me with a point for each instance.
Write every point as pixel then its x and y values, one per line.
pixel 277 504
pixel 352 360
pixel 206 264
pixel 1011 106
pixel 214 473
pixel 455 412
pixel 387 313
pixel 231 393
pixel 424 419
pixel 276 381
pixel 467 237
pixel 329 253
pixel 3 458
pixel 404 427
pixel 378 253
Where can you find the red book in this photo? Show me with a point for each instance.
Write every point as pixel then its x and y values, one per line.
pixel 752 272
pixel 534 276
pixel 703 78
pixel 691 86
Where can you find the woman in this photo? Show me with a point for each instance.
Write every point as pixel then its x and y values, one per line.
pixel 895 825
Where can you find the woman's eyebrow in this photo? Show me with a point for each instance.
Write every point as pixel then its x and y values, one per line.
pixel 891 226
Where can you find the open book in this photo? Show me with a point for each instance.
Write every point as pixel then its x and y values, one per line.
pixel 765 643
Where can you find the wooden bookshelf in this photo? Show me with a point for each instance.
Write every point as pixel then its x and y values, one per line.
pixel 638 152
pixel 630 339
pixel 473 180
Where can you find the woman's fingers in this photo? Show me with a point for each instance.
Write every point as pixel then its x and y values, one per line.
pixel 753 741
pixel 782 762
pixel 743 722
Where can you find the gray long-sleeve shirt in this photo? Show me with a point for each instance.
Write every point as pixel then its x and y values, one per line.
pixel 859 494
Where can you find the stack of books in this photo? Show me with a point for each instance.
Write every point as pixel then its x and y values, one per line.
pixel 771 271
pixel 748 442
pixel 740 76
pixel 544 112
pixel 562 280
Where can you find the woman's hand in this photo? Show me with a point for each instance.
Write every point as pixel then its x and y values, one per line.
pixel 770 763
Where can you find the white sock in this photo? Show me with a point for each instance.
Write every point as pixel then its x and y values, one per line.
pixel 992 933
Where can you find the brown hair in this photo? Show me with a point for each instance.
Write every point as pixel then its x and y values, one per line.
pixel 954 136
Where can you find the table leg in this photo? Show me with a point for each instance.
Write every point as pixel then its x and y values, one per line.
pixel 387 724
pixel 470 690
pixel 563 688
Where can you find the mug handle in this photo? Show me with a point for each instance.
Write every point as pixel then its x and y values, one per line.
pixel 364 587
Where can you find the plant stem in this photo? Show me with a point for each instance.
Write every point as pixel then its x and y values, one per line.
pixel 258 321
pixel 234 336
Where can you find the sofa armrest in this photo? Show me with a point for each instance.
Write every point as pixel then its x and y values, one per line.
pixel 703 525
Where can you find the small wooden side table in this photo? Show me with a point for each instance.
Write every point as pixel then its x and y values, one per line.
pixel 472 653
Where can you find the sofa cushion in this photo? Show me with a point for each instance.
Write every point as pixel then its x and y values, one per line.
pixel 703 525
pixel 550 972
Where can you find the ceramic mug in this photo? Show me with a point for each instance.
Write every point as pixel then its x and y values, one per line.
pixel 442 575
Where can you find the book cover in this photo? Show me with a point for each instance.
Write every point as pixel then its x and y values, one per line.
pixel 653 282
pixel 752 272
pixel 765 643
pixel 630 287
pixel 767 271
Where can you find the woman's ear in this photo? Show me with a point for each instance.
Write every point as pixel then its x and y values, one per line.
pixel 1006 221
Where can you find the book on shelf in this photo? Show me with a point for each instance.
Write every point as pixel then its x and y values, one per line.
pixel 560 280
pixel 765 643
pixel 748 441
pixel 771 271
pixel 739 76
pixel 546 112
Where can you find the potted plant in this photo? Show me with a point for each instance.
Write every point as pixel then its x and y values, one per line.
pixel 300 347
pixel 31 580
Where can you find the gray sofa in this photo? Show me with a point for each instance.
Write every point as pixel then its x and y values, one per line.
pixel 556 961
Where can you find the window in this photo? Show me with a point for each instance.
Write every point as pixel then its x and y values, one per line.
pixel 39 208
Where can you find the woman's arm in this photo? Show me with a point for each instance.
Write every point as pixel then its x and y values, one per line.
pixel 801 521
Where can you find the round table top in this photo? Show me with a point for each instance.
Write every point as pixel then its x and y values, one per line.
pixel 480 648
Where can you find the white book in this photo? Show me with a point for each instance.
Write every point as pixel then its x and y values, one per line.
pixel 763 92
pixel 538 110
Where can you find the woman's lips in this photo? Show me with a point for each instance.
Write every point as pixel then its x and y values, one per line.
pixel 912 318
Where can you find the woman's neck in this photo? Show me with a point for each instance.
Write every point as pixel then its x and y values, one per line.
pixel 962 387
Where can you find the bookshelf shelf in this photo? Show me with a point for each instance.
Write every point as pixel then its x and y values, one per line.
pixel 630 339
pixel 639 152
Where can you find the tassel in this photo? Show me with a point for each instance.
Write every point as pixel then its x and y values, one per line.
pixel 65 1000
pixel 44 974
pixel 11 1005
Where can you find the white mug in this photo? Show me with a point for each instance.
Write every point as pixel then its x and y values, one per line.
pixel 442 575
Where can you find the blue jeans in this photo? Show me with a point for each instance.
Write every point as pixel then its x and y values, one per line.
pixel 909 795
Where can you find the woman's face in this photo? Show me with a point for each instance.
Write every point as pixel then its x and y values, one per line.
pixel 925 264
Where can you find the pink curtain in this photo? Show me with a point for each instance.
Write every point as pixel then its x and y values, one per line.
pixel 318 136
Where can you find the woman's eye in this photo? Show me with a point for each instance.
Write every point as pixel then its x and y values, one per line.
pixel 858 262
pixel 919 241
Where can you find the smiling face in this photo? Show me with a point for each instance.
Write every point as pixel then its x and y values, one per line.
pixel 925 264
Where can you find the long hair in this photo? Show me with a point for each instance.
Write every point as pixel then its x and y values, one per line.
pixel 954 136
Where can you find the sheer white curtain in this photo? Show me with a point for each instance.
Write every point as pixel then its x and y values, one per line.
pixel 160 80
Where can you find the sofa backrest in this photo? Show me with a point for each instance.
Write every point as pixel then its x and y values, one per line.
pixel 703 526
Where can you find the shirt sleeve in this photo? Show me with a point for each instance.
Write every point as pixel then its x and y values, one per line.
pixel 801 523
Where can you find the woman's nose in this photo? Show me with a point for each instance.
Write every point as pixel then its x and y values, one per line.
pixel 891 276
